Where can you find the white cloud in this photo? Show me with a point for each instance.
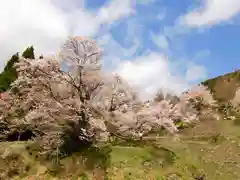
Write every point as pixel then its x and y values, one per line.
pixel 150 73
pixel 195 72
pixel 212 12
pixel 160 40
pixel 175 31
pixel 40 23
pixel 47 23
pixel 115 10
pixel 114 51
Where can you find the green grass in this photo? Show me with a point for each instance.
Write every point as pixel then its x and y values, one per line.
pixel 210 150
pixel 213 153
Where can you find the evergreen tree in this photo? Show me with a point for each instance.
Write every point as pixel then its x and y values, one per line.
pixel 9 73
pixel 29 53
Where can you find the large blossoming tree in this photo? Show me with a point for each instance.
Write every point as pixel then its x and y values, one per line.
pixel 68 98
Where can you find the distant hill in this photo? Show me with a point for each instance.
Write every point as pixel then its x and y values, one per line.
pixel 224 87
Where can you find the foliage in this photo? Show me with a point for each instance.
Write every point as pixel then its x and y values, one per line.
pixel 29 53
pixel 80 106
pixel 9 73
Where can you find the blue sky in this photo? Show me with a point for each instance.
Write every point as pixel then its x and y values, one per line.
pixel 217 47
pixel 154 44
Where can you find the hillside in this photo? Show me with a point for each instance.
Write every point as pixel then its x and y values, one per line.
pixel 224 87
pixel 209 150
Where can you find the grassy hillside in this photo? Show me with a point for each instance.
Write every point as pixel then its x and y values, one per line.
pixel 208 151
pixel 224 87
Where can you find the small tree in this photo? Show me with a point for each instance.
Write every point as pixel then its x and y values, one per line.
pixel 29 53
pixel 9 73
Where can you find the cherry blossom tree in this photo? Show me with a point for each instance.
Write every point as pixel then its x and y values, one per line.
pixel 78 100
pixel 68 97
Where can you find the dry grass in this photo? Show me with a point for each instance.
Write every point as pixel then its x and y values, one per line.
pixel 225 86
pixel 208 150
pixel 211 150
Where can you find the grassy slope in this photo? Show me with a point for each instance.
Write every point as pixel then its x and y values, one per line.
pixel 224 87
pixel 210 150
